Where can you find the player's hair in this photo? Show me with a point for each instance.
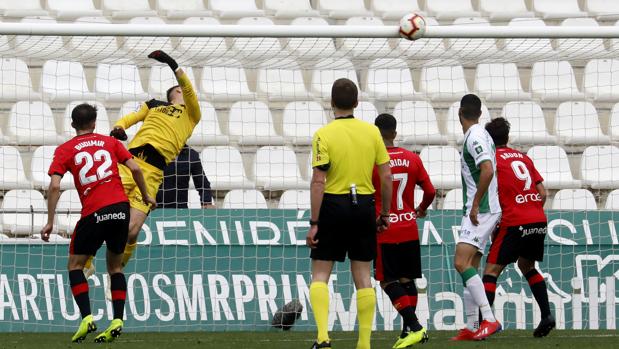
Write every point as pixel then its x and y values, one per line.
pixel 387 124
pixel 344 94
pixel 470 107
pixel 83 116
pixel 499 131
pixel 169 92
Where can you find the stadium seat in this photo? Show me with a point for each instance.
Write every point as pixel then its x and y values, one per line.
pixel 366 111
pixel 390 79
pixel 475 50
pixel 24 8
pixel 63 81
pixel 417 124
pixel 601 80
pixel 453 200
pixel 103 121
pixel 119 82
pixel 599 167
pixel 140 46
pixel 12 175
pixel 301 120
pixel 70 9
pixel 175 9
pixel 68 212
pixel 394 9
pixel 527 124
pixel 253 49
pixel 276 168
pixel 161 78
pixel 15 82
pixel 35 46
pixel 603 10
pixel 197 49
pixel 519 49
pixel 225 81
pixel 327 71
pixel 32 123
pixel 499 82
pixel 41 160
pixel 452 123
pixel 613 124
pixel 612 200
pixel 252 123
pixel 574 199
pixel 553 165
pixel 337 9
pixel 578 123
pixel 244 199
pixel 95 48
pixel 289 8
pixel 24 222
pixel 122 9
pixel 310 49
pixel 443 166
pixel 193 200
pixel 208 131
pixel 450 9
pixel 556 9
pixel 281 84
pixel 369 48
pixel 554 81
pixel 572 49
pixel 443 83
pixel 224 168
pixel 417 52
pixel 500 10
pixel 126 108
pixel 294 200
pixel 235 9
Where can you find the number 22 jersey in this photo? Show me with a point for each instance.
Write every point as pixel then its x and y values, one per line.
pixel 93 161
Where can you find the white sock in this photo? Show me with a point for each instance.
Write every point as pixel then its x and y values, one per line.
pixel 470 310
pixel 476 288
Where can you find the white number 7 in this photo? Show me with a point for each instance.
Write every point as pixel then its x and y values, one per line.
pixel 402 179
pixel 522 173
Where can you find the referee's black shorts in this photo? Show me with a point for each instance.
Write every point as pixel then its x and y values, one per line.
pixel 345 228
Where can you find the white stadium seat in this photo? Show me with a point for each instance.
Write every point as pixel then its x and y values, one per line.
pixel 63 81
pixel 282 84
pixel 193 199
pixel 450 9
pixel 613 125
pixel 554 9
pixel 580 48
pixel 208 131
pixel 253 49
pixel 601 80
pixel 225 81
pixel 443 83
pixel 475 50
pixel 420 50
pixel 368 48
pixel 599 167
pixel 578 123
pixel 574 199
pixel 554 81
pixel 32 123
pixel 15 82
pixel 35 46
pixel 294 200
pixel 122 9
pixel 224 168
pixel 612 200
pixel 527 123
pixel 161 78
pixel 453 200
pixel 23 8
pixel 603 10
pixel 12 175
pixel 103 121
pixel 390 79
pixel 301 120
pixel 327 71
pixel 553 165
pixel 244 199
pixel 499 82
pixel 23 223
pixel 235 9
pixel 174 9
pixel 68 211
pixel 127 108
pixel 366 111
pixel 96 48
pixel 70 9
pixel 443 166
pixel 252 123
pixel 41 160
pixel 289 8
pixel 119 82
pixel 395 9
pixel 500 10
pixel 527 49
pixel 417 123
pixel 197 49
pixel 310 49
pixel 141 46
pixel 276 168
pixel 338 9
pixel 452 123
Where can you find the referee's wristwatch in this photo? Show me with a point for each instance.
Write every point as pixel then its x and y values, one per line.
pixel 311 222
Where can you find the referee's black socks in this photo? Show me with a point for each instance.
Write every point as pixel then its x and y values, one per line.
pixel 118 286
pixel 401 302
pixel 79 289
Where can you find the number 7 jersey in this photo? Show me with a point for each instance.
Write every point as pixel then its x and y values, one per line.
pixel 93 161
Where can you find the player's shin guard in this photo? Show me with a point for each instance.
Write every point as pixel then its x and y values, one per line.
pixel 119 293
pixel 473 283
pixel 366 304
pixel 79 289
pixel 490 287
pixel 539 290
pixel 319 298
pixel 129 248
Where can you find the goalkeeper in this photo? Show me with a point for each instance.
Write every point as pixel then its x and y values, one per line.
pixel 165 130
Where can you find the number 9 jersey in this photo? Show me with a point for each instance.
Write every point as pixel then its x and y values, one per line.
pixel 93 161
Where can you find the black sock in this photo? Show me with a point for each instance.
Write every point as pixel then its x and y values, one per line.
pixel 400 300
pixel 119 291
pixel 490 287
pixel 411 291
pixel 538 287
pixel 79 289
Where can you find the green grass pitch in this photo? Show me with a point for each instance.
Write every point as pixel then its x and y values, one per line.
pixel 292 340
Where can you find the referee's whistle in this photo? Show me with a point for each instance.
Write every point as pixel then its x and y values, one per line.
pixel 353 194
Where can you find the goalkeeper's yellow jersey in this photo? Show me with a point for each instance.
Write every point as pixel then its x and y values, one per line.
pixel 165 126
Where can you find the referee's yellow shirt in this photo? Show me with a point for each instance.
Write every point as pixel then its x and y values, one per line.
pixel 350 147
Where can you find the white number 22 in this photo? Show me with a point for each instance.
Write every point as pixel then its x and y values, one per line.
pixel 89 162
pixel 522 173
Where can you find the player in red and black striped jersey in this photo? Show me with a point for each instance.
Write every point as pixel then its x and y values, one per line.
pixel 398 258
pixel 522 231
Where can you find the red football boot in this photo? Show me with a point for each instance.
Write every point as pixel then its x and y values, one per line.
pixel 487 329
pixel 464 335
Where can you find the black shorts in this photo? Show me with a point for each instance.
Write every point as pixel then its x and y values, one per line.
pixel 396 261
pixel 510 243
pixel 109 224
pixel 346 228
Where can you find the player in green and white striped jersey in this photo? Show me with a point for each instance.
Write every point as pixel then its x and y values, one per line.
pixel 482 212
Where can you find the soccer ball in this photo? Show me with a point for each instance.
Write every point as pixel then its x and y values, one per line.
pixel 412 26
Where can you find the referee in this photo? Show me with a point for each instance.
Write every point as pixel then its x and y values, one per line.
pixel 343 218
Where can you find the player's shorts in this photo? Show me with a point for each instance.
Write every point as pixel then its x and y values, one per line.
pixel 109 224
pixel 344 228
pixel 396 261
pixel 510 243
pixel 478 235
pixel 153 178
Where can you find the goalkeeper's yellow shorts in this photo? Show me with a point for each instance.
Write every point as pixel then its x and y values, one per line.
pixel 153 178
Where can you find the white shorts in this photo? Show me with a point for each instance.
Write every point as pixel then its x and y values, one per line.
pixel 478 235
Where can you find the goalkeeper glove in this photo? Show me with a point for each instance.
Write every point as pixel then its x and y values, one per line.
pixel 119 133
pixel 164 58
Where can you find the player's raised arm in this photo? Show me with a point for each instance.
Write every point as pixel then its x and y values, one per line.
pixel 53 195
pixel 127 121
